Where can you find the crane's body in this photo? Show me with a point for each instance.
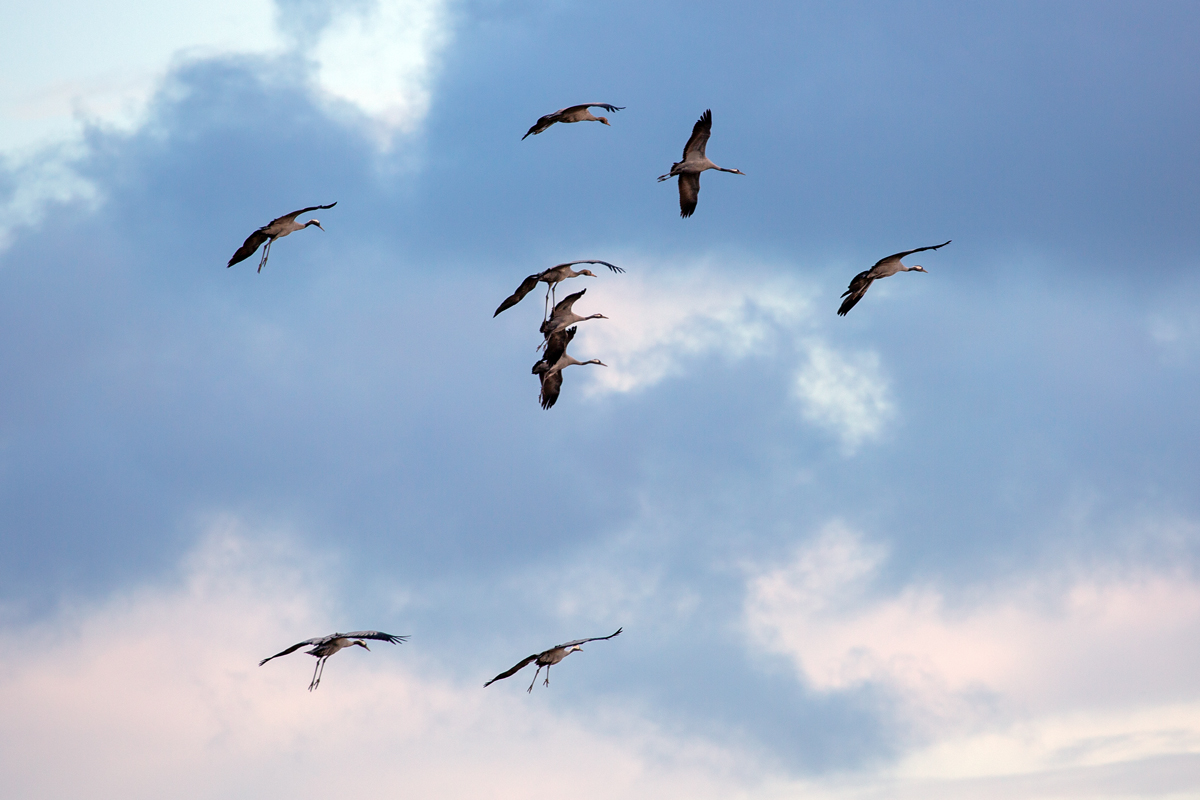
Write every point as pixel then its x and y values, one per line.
pixel 884 268
pixel 579 113
pixel 326 646
pixel 548 658
pixel 550 368
pixel 563 316
pixel 694 162
pixel 275 229
pixel 551 277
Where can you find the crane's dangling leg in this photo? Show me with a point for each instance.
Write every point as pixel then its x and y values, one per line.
pixel 315 680
pixel 322 673
pixel 266 253
pixel 547 683
pixel 535 676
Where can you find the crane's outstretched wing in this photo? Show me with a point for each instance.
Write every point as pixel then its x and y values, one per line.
pixel 252 243
pixel 561 309
pixel 606 106
pixel 613 267
pixel 689 193
pixel 380 635
pixel 593 639
pixel 564 306
pixel 292 216
pixel 295 647
pixel 509 673
pixel 910 252
pixel 700 133
pixel 858 287
pixel 525 288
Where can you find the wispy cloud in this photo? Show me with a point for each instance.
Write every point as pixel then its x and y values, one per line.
pixel 1061 672
pixel 846 394
pixel 380 59
pixel 376 57
pixel 156 692
pixel 662 325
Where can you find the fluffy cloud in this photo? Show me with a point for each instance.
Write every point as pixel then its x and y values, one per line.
pixel 1088 670
pixel 662 322
pixel 380 58
pixel 157 693
pixel 845 394
pixel 375 57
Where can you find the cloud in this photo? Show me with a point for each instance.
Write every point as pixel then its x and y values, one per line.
pixel 376 58
pixel 661 323
pixel 156 692
pixel 845 394
pixel 1059 672
pixel 379 58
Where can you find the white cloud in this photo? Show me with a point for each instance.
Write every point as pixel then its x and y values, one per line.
pixel 156 692
pixel 662 321
pixel 1087 671
pixel 73 63
pixel 380 59
pixel 845 394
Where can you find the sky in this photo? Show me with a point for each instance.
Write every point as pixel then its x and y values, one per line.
pixel 946 546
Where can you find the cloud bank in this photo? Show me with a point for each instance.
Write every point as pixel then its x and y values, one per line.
pixel 1055 672
pixel 374 59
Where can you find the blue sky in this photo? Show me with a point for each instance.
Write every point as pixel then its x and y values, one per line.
pixel 945 546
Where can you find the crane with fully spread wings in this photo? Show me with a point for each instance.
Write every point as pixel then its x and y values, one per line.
pixel 326 646
pixel 577 113
pixel 275 229
pixel 694 162
pixel 551 277
pixel 548 658
pixel 884 267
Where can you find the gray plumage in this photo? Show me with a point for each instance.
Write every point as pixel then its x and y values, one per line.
pixel 551 277
pixel 884 267
pixel 578 113
pixel 694 162
pixel 550 372
pixel 326 646
pixel 548 658
pixel 275 229
pixel 563 316
pixel 556 346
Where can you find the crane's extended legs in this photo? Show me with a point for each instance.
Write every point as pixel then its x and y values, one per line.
pixel 535 677
pixel 547 683
pixel 266 252
pixel 318 671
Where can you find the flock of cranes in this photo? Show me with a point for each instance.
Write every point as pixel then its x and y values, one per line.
pixel 558 327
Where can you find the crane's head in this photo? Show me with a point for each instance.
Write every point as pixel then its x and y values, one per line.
pixel 587 272
pixel 361 644
pixel 573 649
pixel 917 268
pixel 603 119
pixel 316 222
